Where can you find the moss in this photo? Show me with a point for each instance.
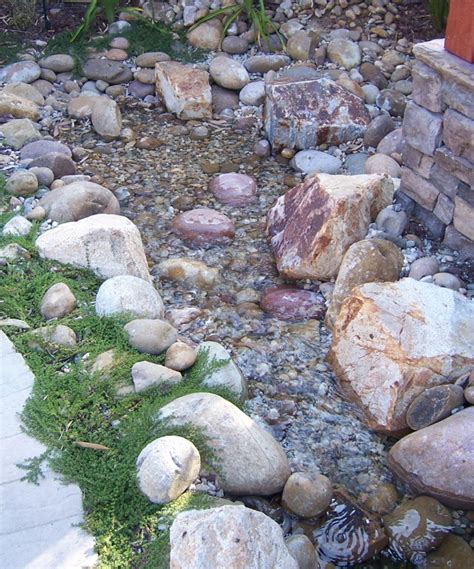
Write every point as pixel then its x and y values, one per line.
pixel 70 405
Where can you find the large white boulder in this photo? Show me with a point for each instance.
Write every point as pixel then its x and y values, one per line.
pixel 228 537
pixel 249 459
pixel 391 341
pixel 108 245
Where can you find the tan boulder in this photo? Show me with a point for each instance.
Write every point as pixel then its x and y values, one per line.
pixel 108 245
pixel 25 91
pixel 19 108
pixel 248 459
pixel 185 90
pixel 312 225
pixel 367 261
pixel 391 341
pixel 228 537
pixel 106 118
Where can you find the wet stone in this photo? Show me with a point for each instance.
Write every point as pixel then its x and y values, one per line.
pixel 203 227
pixel 307 495
pixel 289 303
pixel 348 534
pixel 234 189
pixel 416 527
pixel 433 405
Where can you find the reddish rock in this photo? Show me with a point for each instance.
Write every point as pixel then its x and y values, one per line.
pixel 60 164
pixel 304 114
pixel 204 227
pixel 312 225
pixel 289 303
pixel 234 189
pixel 439 460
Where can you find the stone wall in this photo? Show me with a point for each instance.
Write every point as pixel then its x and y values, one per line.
pixel 438 127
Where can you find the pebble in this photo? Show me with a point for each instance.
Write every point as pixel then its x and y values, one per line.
pixel 57 301
pixel 180 356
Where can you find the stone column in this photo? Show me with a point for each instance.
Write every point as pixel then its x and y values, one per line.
pixel 438 157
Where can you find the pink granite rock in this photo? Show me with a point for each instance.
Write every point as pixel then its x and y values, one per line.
pixel 234 189
pixel 203 227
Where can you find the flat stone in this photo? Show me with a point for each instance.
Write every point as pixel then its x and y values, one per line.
pixel 290 303
pixel 203 227
pixel 422 129
pixel 111 71
pixel 304 114
pixel 37 149
pixel 58 63
pixel 234 189
pixel 433 405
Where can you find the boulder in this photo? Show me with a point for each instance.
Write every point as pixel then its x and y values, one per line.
pixel 150 336
pixel 166 467
pixel 148 374
pixel 17 107
pixel 303 551
pixel 367 261
pixel 36 149
pixel 57 301
pixel 24 91
pixel 439 460
pixel 82 106
pixel 229 375
pixel 303 114
pixel 344 52
pixel 185 90
pixel 112 72
pixel 108 245
pixel 229 536
pixel 312 225
pixel 19 132
pixel 391 341
pixel 382 164
pixel 18 226
pixel 249 459
pixel 79 200
pixel 21 71
pixel 130 296
pixel 106 118
pixel 228 73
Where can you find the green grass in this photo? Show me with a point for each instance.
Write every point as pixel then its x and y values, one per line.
pixel 10 47
pixel 144 36
pixel 70 405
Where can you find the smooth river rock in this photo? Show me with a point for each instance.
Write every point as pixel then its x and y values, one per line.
pixel 234 189
pixel 203 227
pixel 439 460
pixel 249 459
pixel 293 304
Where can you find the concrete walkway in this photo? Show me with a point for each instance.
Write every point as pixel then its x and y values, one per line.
pixel 38 524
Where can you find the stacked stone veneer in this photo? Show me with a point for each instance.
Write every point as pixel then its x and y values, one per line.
pixel 438 157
